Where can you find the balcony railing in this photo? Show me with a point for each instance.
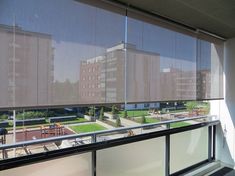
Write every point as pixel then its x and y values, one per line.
pixel 150 149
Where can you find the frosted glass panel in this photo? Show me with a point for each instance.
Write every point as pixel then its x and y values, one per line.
pixel 66 166
pixel 136 159
pixel 188 148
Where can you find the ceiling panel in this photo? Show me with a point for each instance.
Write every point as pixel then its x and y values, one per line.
pixel 215 16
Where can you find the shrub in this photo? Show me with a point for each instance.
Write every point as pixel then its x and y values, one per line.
pixel 30 115
pixel 113 109
pixel 191 105
pixel 101 114
pixel 118 122
pixel 125 114
pixel 143 119
pixel 207 107
pixel 91 111
pixel 4 117
pixel 50 114
pixel 116 110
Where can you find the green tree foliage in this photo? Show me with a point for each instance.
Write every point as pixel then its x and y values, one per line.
pixel 101 117
pixel 205 106
pixel 117 110
pixel 91 111
pixel 118 122
pixel 3 117
pixel 113 109
pixel 191 105
pixel 30 115
pixel 143 119
pixel 125 114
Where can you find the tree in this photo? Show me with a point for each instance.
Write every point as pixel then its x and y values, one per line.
pixel 91 111
pixel 30 115
pixel 191 105
pixel 207 107
pixel 3 117
pixel 113 110
pixel 101 114
pixel 125 114
pixel 118 122
pixel 143 119
pixel 116 110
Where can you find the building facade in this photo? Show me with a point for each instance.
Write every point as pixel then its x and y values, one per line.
pixel 26 67
pixel 102 78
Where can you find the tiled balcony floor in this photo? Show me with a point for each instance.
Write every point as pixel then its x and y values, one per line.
pixel 225 171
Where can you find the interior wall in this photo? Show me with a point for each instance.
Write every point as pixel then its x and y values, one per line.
pixel 225 109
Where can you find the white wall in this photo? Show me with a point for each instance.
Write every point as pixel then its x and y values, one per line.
pixel 225 109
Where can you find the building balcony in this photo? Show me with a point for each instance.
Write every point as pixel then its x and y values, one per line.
pixel 150 149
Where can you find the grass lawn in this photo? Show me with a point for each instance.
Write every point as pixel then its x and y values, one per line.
pixel 87 128
pixel 134 113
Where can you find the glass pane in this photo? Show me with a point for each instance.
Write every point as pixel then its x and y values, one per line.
pixel 136 159
pixel 66 166
pixel 188 148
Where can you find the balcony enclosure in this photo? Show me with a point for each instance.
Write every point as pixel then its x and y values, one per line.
pixel 87 53
pixel 169 151
pixel 92 52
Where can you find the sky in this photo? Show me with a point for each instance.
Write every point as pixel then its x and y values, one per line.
pixel 80 31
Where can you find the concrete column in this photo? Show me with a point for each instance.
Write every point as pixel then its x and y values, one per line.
pixel 225 109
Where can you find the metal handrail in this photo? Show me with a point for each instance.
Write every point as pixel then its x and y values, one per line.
pixel 59 138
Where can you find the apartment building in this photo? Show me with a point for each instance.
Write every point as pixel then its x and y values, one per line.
pixel 26 63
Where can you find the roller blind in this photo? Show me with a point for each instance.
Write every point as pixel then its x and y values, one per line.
pixel 66 52
pixel 168 63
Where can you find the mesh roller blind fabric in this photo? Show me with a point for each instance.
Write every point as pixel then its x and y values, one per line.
pixel 174 64
pixel 70 52
pixel 56 53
